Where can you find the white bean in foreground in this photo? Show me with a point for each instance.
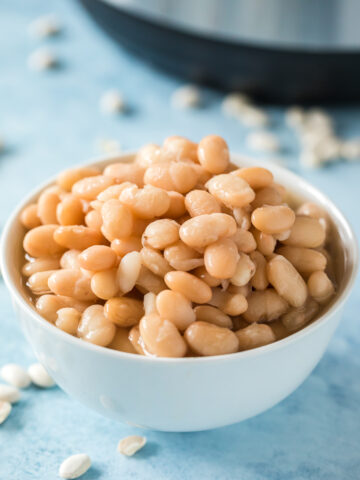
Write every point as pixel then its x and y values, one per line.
pixel 5 409
pixel 130 445
pixel 8 393
pixel 15 375
pixel 75 466
pixel 39 376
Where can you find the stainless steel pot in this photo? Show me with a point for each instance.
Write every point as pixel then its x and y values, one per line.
pixel 278 49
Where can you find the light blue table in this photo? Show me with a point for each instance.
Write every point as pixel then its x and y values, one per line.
pixel 50 121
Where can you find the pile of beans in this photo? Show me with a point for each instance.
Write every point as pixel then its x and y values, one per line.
pixel 178 253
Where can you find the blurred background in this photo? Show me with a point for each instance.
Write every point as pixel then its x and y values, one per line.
pixel 84 79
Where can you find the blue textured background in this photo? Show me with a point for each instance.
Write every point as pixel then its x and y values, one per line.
pixel 51 120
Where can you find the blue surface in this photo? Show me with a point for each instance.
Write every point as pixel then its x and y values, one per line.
pixel 51 120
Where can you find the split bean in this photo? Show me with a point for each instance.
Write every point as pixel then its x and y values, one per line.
pixel 161 233
pixel 182 257
pixel 203 230
pixel 286 280
pixel 200 202
pixel 123 311
pixel 95 328
pixel 232 191
pixel 161 337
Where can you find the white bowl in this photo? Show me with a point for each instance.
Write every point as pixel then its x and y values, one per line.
pixel 186 394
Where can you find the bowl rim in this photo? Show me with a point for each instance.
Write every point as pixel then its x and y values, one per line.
pixel 278 344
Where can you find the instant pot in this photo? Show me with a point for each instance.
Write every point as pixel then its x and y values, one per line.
pixel 287 50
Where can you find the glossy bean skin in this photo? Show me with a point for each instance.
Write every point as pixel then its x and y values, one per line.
pixel 204 230
pixel 68 320
pixel 244 240
pixel 265 306
pixel 97 258
pixel 70 259
pixel 315 211
pixel 154 261
pixel 207 313
pixel 256 177
pixel 67 178
pixel 93 220
pixel 136 340
pixel 104 284
pixel 272 219
pixel 306 232
pixel 255 336
pixel 161 337
pixel 203 274
pixel 287 281
pixel 221 258
pixel 297 318
pixel 209 339
pixel 267 196
pixel 265 243
pixel 38 282
pixel 232 304
pixel 213 154
pixel 200 202
pixel 122 246
pixel 190 286
pixel 123 311
pixel 177 205
pixel 161 233
pixel 89 188
pixel 71 283
pixel 259 280
pixel 40 265
pixel 125 172
pixel 180 148
pixel 48 305
pixel 41 242
pixel 244 270
pixel 146 203
pixel 176 308
pixel 29 216
pixel 117 220
pixel 182 257
pixel 147 281
pixel 179 177
pixel 305 260
pixel 242 217
pixel 128 271
pixel 121 341
pixel 148 154
pixel 70 211
pixel 47 205
pixel 320 286
pixel 95 328
pixel 77 237
pixel 230 190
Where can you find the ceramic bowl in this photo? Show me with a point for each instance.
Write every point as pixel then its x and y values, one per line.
pixel 186 394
